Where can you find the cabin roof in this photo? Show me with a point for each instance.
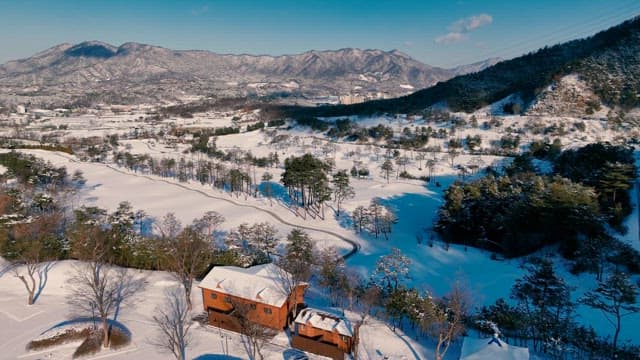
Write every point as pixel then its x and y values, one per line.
pixel 325 321
pixel 260 284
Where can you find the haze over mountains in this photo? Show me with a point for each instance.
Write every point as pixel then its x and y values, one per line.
pixel 137 72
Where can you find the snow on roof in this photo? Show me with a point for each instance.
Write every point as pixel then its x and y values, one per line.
pixel 491 349
pixel 325 321
pixel 260 283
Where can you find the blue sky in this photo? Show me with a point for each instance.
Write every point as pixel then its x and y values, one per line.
pixel 442 33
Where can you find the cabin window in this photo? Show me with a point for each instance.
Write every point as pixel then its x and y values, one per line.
pixel 227 299
pixel 213 296
pixel 252 306
pixel 267 311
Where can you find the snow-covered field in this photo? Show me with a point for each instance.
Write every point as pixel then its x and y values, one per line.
pixel 22 323
pixel 414 203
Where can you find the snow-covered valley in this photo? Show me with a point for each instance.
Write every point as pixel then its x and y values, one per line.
pixel 434 267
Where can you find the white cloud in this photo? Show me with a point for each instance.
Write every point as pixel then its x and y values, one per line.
pixel 459 28
pixel 471 23
pixel 450 38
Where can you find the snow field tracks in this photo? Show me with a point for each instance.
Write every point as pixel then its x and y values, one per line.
pixel 275 216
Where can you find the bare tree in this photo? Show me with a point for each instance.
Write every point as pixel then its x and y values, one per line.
pixel 431 165
pixel 331 273
pixel 169 227
pixel 102 289
pixel 264 237
pixel 444 318
pixel 391 269
pixel 173 323
pixel 420 157
pixel 254 334
pixel 31 261
pixel 452 154
pixel 209 223
pixel 351 287
pixel 387 220
pixel 188 255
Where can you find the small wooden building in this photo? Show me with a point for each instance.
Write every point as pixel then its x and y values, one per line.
pixel 323 334
pixel 261 289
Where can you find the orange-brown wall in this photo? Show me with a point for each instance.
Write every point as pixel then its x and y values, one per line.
pixel 327 336
pixel 277 319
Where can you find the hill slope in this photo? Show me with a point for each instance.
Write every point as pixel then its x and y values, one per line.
pixel 608 62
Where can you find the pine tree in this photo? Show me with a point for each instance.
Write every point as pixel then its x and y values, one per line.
pixel 546 299
pixel 296 263
pixel 122 233
pixel 360 218
pixel 268 191
pixel 387 168
pixel 341 189
pixel 616 298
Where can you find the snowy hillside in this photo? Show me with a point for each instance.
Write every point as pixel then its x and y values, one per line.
pixel 114 175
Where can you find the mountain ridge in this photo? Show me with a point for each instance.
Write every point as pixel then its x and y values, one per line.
pixel 132 68
pixel 608 63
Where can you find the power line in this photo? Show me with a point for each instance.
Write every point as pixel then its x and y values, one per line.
pixel 584 28
pixel 566 36
pixel 556 37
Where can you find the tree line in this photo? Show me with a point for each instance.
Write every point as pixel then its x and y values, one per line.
pixel 520 210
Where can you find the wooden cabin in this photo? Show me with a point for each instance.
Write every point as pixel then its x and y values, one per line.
pixel 323 334
pixel 261 291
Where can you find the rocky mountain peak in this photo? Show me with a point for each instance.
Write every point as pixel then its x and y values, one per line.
pixel 91 49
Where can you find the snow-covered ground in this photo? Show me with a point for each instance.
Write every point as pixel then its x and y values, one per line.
pixel 414 203
pixel 22 323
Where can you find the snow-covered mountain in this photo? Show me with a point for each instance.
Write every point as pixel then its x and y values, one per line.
pixel 572 78
pixel 132 67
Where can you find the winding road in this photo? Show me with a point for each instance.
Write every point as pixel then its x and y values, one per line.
pixel 355 247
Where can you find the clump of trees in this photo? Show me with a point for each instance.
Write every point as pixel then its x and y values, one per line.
pixel 375 219
pixel 32 217
pixel 543 314
pixel 521 211
pixel 519 214
pixel 306 180
pixel 251 244
pixel 608 169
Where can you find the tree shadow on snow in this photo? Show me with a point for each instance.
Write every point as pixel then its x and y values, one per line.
pixel 216 357
pixel 278 191
pixel 294 354
pixel 43 278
